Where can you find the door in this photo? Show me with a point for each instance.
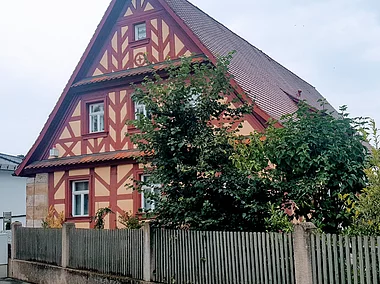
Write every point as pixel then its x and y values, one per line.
pixel 3 255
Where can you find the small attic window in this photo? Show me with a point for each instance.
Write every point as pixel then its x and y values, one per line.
pixel 140 31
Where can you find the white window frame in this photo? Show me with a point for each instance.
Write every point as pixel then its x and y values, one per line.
pixel 140 109
pixel 137 29
pixel 151 189
pixel 81 193
pixel 194 100
pixel 99 115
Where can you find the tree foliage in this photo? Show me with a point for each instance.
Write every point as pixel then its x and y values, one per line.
pixel 211 178
pixel 187 140
pixel 366 208
pixel 315 159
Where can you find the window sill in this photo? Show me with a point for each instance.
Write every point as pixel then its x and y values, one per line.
pixel 95 135
pixel 140 42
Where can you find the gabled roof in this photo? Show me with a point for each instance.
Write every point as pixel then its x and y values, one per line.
pixel 270 84
pixel 9 162
pixel 267 82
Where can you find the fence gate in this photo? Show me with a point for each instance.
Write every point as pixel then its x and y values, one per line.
pixel 3 255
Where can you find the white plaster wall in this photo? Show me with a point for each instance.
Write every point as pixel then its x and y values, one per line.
pixel 12 196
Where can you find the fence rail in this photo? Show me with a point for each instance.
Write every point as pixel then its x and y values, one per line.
pixel 41 245
pixel 222 257
pixel 345 260
pixel 117 252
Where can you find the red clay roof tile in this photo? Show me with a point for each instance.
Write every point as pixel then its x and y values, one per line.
pixel 84 159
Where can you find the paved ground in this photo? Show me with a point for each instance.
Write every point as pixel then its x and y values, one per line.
pixel 10 281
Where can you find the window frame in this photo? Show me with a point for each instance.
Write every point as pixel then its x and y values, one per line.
pixel 154 187
pixel 86 101
pixel 82 193
pixel 96 114
pixel 137 105
pixel 136 31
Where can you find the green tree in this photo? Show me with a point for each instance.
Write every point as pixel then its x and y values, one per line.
pixel 188 137
pixel 318 157
pixel 366 208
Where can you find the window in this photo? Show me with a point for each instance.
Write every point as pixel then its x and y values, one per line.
pixel 80 198
pixel 96 117
pixel 146 203
pixel 140 31
pixel 194 99
pixel 140 109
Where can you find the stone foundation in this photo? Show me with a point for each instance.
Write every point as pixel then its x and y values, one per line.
pixel 37 201
pixel 47 274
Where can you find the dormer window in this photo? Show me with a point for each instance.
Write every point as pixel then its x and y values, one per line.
pixel 96 117
pixel 140 31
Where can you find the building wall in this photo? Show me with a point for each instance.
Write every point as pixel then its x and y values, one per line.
pixel 165 39
pixel 74 138
pixel 12 196
pixel 109 186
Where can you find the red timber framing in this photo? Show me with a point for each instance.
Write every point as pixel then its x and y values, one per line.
pixel 114 191
pixel 164 39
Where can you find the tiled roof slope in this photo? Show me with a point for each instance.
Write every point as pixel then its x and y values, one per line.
pixel 265 80
pixel 8 162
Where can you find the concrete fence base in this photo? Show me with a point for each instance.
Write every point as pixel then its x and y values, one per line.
pixel 47 274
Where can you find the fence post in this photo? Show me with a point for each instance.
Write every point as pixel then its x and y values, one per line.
pixel 147 258
pixel 66 228
pixel 302 253
pixel 14 227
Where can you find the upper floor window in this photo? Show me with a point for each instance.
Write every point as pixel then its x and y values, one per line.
pixel 140 109
pixel 140 31
pixel 80 193
pixel 96 117
pixel 194 100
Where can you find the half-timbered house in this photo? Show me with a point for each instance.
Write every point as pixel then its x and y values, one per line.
pixel 82 159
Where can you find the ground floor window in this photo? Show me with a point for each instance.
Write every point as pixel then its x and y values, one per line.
pixel 146 203
pixel 80 193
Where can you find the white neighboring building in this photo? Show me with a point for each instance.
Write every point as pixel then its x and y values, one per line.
pixel 12 190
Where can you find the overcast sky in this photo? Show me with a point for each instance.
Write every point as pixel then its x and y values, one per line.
pixel 332 44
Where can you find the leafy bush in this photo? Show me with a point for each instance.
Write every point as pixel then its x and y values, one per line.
pixel 53 221
pixel 100 216
pixel 129 221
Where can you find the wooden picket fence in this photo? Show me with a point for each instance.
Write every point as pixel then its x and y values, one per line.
pixel 345 260
pixel 198 257
pixel 117 252
pixel 222 257
pixel 40 245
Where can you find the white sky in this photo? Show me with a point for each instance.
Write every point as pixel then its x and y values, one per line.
pixel 332 44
